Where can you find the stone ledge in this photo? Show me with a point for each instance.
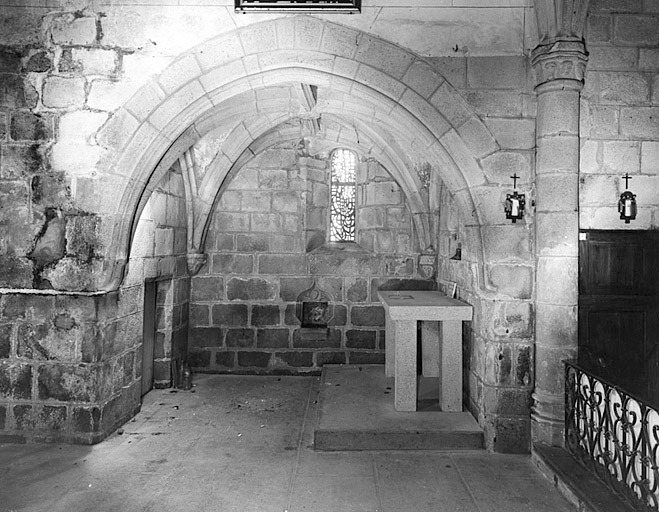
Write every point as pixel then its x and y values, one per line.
pixel 579 486
pixel 340 247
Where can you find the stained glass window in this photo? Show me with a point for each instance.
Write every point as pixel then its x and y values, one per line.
pixel 342 205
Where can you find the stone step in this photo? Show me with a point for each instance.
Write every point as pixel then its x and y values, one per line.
pixel 356 412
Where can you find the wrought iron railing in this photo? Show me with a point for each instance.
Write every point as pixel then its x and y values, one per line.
pixel 614 434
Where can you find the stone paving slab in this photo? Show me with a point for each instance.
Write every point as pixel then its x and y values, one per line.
pixel 356 412
pixel 244 444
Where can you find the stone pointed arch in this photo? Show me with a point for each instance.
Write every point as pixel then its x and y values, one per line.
pixel 386 151
pixel 407 90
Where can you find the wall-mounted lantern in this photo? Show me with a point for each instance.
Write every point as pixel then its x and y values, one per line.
pixel 514 204
pixel 627 202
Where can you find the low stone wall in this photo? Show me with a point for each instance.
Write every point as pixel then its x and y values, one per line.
pixel 68 367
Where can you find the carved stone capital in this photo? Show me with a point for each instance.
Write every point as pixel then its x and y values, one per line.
pixel 196 260
pixel 559 60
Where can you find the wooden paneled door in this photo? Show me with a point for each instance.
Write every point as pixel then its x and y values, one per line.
pixel 619 309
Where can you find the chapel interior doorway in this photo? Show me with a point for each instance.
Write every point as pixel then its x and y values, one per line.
pixel 149 334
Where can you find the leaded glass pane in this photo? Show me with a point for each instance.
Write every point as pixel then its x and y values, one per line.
pixel 343 166
pixel 342 226
pixel 342 208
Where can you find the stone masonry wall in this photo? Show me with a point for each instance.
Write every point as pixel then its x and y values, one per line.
pixel 70 363
pixel 49 111
pixel 498 354
pixel 66 371
pixel 158 253
pixel 66 71
pixel 66 374
pixel 243 302
pixel 620 114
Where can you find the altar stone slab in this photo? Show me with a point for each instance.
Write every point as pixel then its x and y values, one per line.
pixel 441 339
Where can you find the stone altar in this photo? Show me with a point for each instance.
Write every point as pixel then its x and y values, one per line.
pixel 441 337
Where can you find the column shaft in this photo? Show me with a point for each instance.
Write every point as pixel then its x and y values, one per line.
pixel 557 233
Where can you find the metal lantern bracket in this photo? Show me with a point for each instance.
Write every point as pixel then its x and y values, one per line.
pixel 627 207
pixel 515 203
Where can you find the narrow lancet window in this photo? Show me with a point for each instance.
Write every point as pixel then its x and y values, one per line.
pixel 342 206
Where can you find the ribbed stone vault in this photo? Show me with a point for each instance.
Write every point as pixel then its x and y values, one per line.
pixel 256 125
pixel 386 103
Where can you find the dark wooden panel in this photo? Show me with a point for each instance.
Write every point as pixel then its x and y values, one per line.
pixel 619 309
pixel 618 263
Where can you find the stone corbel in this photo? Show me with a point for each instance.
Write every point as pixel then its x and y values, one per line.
pixel 196 260
pixel 187 164
pixel 195 257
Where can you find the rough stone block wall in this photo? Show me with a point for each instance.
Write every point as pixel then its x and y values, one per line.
pixel 243 302
pixel 49 242
pixel 498 354
pixel 620 115
pixel 50 66
pixel 71 363
pixel 68 372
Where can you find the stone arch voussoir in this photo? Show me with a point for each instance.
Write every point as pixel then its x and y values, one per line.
pixel 259 55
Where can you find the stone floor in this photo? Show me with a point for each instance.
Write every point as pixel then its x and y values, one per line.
pixel 244 443
pixel 356 412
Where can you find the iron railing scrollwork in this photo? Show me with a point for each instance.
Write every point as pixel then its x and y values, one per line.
pixel 614 434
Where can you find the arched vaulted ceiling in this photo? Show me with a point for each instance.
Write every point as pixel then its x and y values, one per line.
pixel 250 86
pixel 255 121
